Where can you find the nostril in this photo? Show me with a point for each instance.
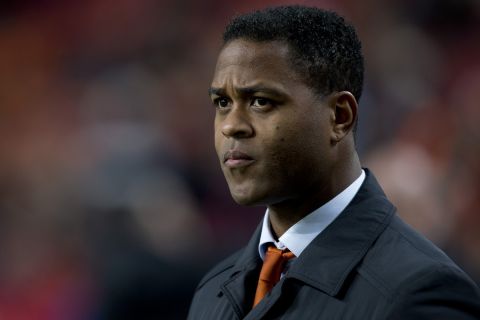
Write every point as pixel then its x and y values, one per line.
pixel 237 128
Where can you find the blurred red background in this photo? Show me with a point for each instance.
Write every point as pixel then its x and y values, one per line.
pixel 108 176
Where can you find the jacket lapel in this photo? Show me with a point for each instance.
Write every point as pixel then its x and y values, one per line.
pixel 333 254
pixel 240 287
pixel 268 302
pixel 326 263
pixel 331 257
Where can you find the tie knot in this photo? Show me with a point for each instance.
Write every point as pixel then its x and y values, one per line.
pixel 276 254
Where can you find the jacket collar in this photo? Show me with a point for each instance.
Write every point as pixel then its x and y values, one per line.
pixel 333 254
pixel 328 260
pixel 250 255
pixel 241 283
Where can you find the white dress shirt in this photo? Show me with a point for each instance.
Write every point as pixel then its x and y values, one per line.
pixel 299 236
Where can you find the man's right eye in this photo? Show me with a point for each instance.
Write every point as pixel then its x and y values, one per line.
pixel 221 102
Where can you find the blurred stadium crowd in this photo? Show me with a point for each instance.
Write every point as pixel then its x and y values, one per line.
pixel 112 203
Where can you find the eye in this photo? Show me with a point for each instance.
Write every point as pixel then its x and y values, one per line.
pixel 261 102
pixel 221 102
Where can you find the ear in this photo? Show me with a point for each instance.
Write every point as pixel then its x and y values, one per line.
pixel 344 113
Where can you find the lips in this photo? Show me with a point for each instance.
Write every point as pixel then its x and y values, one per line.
pixel 237 159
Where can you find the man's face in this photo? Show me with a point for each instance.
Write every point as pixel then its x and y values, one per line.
pixel 272 132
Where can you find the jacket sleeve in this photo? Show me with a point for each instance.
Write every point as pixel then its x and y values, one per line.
pixel 446 293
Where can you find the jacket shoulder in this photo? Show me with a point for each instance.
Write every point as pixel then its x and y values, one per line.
pixel 402 258
pixel 416 278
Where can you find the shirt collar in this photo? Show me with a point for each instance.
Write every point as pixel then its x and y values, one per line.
pixel 299 236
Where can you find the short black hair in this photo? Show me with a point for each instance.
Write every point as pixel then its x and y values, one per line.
pixel 325 49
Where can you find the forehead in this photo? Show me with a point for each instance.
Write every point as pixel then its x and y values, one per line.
pixel 245 61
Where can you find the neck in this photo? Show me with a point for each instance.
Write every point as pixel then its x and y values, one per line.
pixel 285 214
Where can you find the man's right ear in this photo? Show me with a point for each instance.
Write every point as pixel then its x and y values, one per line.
pixel 344 107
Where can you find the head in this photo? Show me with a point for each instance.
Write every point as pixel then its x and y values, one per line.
pixel 286 87
pixel 324 49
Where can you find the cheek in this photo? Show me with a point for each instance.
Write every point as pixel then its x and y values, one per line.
pixel 297 147
pixel 282 148
pixel 218 140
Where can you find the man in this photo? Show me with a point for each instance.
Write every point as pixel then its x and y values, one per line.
pixel 331 245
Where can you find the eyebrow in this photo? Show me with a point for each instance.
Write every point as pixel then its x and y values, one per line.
pixel 246 91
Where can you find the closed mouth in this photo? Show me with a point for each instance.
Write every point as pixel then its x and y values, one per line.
pixel 235 159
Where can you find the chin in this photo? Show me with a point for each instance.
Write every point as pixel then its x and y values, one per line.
pixel 243 200
pixel 251 199
pixel 245 197
pixel 256 198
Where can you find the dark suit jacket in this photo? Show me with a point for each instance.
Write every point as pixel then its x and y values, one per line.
pixel 368 264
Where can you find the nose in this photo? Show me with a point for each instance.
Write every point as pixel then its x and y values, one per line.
pixel 237 124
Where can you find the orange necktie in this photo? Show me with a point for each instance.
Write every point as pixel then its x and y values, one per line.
pixel 272 268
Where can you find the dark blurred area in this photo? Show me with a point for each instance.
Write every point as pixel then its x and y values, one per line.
pixel 112 203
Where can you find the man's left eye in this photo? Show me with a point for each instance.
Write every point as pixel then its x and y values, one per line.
pixel 260 102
